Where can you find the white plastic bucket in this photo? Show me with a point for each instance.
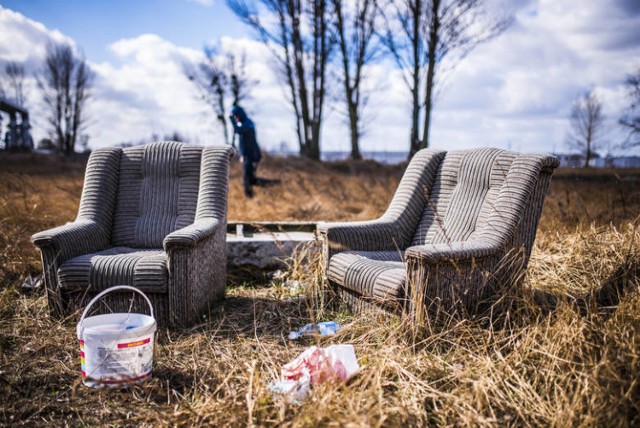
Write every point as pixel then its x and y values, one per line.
pixel 116 350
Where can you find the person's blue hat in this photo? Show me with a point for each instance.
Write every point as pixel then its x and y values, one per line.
pixel 238 111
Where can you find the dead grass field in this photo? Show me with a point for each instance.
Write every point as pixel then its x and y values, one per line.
pixel 566 354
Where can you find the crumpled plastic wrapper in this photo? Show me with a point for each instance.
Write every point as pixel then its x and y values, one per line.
pixel 336 363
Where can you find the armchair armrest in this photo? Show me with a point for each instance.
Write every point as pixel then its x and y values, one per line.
pixel 73 239
pixel 373 235
pixel 191 235
pixel 455 251
pixel 60 244
pixel 451 278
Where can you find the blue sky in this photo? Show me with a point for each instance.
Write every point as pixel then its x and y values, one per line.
pixel 95 24
pixel 514 92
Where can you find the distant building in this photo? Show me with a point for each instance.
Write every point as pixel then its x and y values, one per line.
pixel 570 160
pixel 574 160
pixel 618 162
pixel 18 135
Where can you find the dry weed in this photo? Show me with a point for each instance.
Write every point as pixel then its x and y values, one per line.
pixel 567 353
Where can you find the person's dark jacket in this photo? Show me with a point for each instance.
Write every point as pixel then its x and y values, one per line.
pixel 244 127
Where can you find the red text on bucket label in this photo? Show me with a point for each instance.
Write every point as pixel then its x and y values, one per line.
pixel 132 344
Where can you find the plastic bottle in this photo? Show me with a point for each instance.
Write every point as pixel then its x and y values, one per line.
pixel 326 328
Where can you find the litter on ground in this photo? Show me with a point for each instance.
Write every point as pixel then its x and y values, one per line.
pixel 336 363
pixel 327 328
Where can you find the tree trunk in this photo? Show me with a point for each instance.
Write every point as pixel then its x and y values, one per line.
pixel 414 139
pixel 353 126
pixel 589 136
pixel 302 34
pixel 434 32
pixel 320 54
pixel 313 152
pixel 349 90
pixel 300 76
pixel 225 131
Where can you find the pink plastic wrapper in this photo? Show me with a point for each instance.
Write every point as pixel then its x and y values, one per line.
pixel 335 363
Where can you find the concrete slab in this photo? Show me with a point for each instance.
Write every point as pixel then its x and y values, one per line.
pixel 266 245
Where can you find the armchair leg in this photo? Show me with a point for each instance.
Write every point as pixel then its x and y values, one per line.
pixel 57 304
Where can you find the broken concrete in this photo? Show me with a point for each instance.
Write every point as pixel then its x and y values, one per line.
pixel 266 245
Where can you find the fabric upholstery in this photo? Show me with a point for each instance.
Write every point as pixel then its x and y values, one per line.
pixel 153 217
pixel 144 269
pixel 372 274
pixel 397 226
pixel 157 193
pixel 463 195
pixel 471 221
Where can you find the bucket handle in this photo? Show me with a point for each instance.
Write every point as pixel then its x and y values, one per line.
pixel 109 290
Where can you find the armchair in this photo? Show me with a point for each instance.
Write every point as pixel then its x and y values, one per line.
pixel 153 217
pixel 460 227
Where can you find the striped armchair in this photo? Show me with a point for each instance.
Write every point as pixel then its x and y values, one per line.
pixel 152 217
pixel 460 227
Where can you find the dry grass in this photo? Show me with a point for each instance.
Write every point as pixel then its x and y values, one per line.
pixel 568 353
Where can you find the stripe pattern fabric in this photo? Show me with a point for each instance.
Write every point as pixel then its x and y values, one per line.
pixel 157 193
pixel 153 217
pixel 144 269
pixel 464 221
pixel 373 274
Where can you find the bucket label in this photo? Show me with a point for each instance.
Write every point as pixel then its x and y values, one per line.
pixel 83 362
pixel 105 362
pixel 132 344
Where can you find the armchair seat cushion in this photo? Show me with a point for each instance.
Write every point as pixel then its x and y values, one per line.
pixel 373 274
pixel 145 269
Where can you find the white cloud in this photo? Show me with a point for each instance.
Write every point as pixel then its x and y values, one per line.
pixel 517 90
pixel 24 40
pixel 513 92
pixel 206 3
pixel 146 93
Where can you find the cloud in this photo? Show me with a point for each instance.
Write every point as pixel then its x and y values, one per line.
pixel 206 3
pixel 146 93
pixel 24 40
pixel 517 90
pixel 149 93
pixel 514 92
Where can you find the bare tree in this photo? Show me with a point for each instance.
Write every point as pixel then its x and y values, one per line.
pixel 420 35
pixel 297 34
pixel 65 82
pixel 631 119
pixel 587 126
pixel 219 78
pixel 14 76
pixel 358 48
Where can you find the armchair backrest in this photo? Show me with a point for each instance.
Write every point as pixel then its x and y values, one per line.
pixel 157 193
pixel 141 194
pixel 487 194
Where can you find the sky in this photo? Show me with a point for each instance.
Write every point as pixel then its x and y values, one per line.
pixel 515 92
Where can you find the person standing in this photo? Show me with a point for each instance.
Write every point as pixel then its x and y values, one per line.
pixel 248 146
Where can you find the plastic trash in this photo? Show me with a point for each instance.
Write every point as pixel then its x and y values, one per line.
pixel 31 284
pixel 327 328
pixel 336 363
pixel 295 390
pixel 293 286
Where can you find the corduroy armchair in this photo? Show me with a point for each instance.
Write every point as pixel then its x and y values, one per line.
pixel 460 227
pixel 153 217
